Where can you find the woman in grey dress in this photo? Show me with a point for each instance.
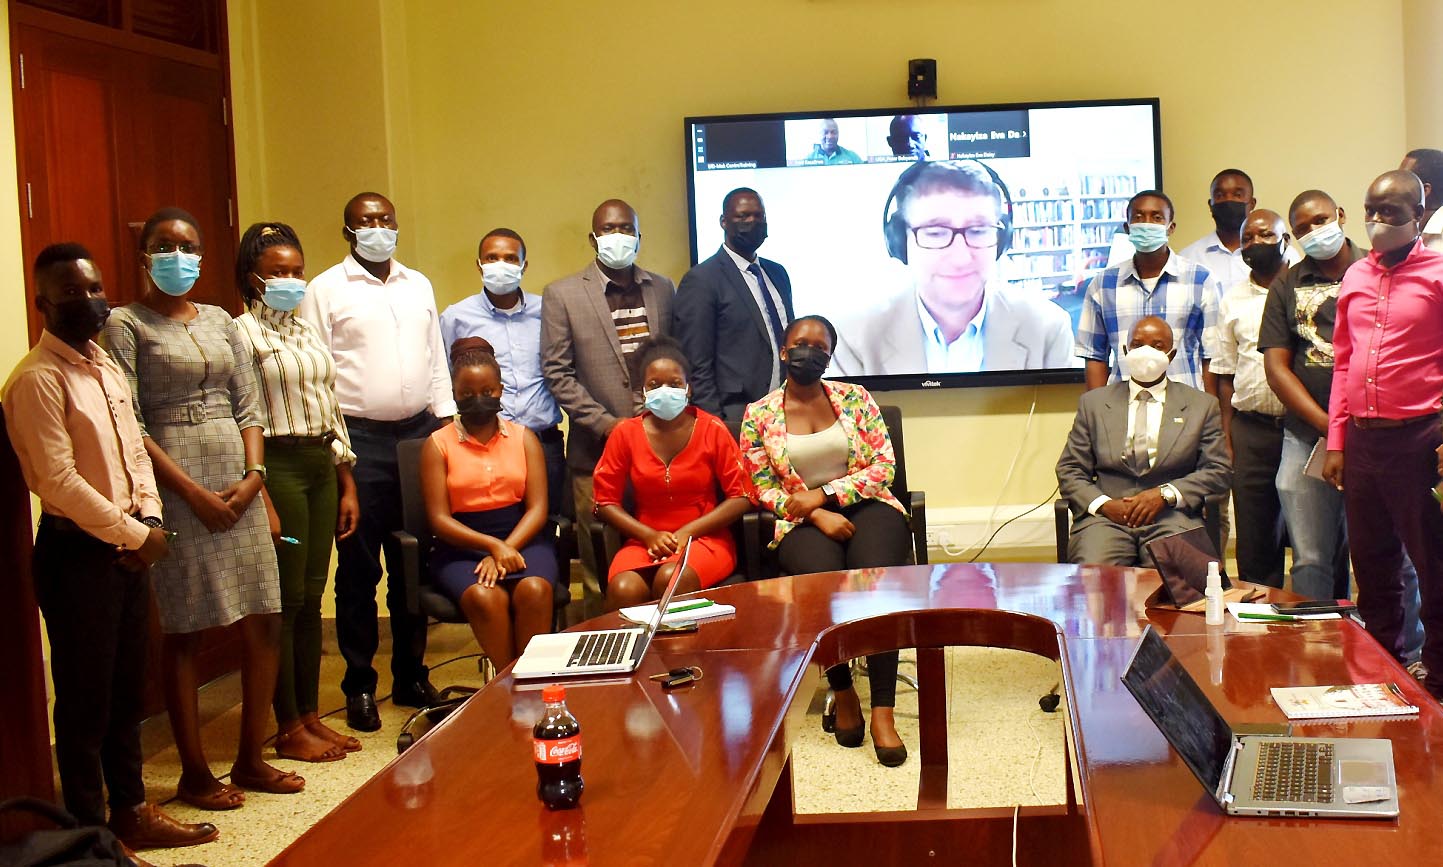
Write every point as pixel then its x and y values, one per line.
pixel 198 405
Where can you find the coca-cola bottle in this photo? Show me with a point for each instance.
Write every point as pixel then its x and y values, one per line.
pixel 556 742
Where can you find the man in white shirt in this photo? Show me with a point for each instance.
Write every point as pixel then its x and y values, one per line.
pixel 1230 200
pixel 1427 164
pixel 1142 457
pixel 1252 414
pixel 379 320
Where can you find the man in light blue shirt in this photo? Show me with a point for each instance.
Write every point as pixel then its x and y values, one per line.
pixel 510 320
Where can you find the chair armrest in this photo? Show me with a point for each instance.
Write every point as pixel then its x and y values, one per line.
pixel 918 524
pixel 410 569
pixel 1062 520
pixel 565 539
pixel 1213 506
pixel 753 544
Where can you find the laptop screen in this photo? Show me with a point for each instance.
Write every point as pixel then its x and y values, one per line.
pixel 1179 709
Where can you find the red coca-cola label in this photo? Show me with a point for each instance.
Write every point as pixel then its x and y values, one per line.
pixel 559 751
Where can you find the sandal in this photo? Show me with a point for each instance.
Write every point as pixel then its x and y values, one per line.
pixel 321 730
pixel 281 783
pixel 224 797
pixel 333 753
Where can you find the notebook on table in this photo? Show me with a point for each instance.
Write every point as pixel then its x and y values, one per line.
pixel 1347 700
pixel 1252 775
pixel 607 651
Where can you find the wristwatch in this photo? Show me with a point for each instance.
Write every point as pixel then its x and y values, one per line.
pixel 152 521
pixel 829 491
pixel 1168 496
pixel 255 468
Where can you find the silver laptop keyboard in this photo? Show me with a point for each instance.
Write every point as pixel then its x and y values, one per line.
pixel 602 648
pixel 1299 773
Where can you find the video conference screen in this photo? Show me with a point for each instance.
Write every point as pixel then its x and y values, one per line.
pixel 949 246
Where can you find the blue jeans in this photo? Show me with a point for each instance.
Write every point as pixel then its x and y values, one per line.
pixel 1313 511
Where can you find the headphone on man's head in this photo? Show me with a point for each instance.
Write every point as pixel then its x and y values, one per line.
pixel 894 226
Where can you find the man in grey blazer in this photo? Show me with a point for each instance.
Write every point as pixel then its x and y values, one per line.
pixel 950 223
pixel 1020 331
pixel 732 312
pixel 1142 456
pixel 591 322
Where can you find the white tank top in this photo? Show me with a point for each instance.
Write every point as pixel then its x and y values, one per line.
pixel 819 457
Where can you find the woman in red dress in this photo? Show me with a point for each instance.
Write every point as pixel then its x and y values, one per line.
pixel 676 458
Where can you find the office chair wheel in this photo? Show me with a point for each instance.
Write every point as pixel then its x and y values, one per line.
pixel 404 741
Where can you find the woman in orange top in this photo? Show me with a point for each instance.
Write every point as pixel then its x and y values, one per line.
pixel 675 458
pixel 483 480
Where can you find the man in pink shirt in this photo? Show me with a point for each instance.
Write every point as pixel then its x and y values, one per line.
pixel 1383 422
pixel 68 413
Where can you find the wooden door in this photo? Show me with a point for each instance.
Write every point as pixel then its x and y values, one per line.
pixel 111 126
pixel 121 109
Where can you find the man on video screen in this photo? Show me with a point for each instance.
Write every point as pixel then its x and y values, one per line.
pixel 829 150
pixel 949 223
pixel 906 138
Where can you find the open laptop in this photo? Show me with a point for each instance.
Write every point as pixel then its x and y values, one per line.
pixel 1256 775
pixel 608 651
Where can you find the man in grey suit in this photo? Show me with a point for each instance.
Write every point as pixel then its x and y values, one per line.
pixel 591 323
pixel 1142 456
pixel 732 313
pixel 951 223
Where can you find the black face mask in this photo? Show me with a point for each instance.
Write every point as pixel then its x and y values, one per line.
pixel 806 364
pixel 747 239
pixel 78 319
pixel 478 409
pixel 1229 216
pixel 1263 258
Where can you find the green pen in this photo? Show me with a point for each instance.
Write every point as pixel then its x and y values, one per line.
pixel 689 606
pixel 1286 618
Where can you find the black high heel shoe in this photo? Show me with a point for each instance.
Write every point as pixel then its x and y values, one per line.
pixel 891 756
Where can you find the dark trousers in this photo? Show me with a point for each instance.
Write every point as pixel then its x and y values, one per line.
pixel 302 487
pixel 553 446
pixel 358 565
pixel 1257 450
pixel 1386 476
pixel 881 539
pixel 97 616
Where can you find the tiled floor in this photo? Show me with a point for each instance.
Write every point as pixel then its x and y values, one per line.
pixel 1003 751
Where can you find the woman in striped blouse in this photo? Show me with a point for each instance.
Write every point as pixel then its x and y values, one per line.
pixel 309 482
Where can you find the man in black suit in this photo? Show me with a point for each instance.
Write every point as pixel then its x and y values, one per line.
pixel 731 314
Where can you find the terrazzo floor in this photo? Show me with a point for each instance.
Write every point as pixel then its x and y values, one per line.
pixel 1003 750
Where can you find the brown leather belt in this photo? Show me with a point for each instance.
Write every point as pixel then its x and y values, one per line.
pixel 1363 423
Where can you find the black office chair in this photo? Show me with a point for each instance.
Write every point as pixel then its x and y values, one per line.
pixel 763 522
pixel 1213 507
pixel 423 600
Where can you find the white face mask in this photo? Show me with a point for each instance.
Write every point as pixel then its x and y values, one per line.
pixel 375 244
pixel 616 250
pixel 501 278
pixel 1145 364
pixel 1386 237
pixel 1324 242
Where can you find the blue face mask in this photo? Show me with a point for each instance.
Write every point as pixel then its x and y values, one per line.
pixel 283 293
pixel 1146 237
pixel 666 402
pixel 174 273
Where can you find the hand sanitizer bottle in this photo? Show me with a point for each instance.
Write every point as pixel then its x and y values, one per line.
pixel 1214 595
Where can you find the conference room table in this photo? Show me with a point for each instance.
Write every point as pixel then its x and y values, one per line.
pixel 700 775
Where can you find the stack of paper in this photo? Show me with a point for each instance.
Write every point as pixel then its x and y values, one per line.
pixel 680 611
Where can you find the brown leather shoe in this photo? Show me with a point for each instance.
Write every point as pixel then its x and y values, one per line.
pixel 148 827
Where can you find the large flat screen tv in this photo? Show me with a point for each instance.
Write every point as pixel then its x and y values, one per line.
pixel 951 246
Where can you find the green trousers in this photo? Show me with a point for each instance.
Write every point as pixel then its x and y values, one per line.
pixel 301 481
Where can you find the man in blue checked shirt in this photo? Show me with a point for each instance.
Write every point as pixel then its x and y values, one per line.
pixel 510 321
pixel 1154 282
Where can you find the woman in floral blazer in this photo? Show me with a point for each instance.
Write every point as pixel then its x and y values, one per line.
pixel 820 458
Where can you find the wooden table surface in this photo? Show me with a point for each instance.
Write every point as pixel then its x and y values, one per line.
pixel 698 775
